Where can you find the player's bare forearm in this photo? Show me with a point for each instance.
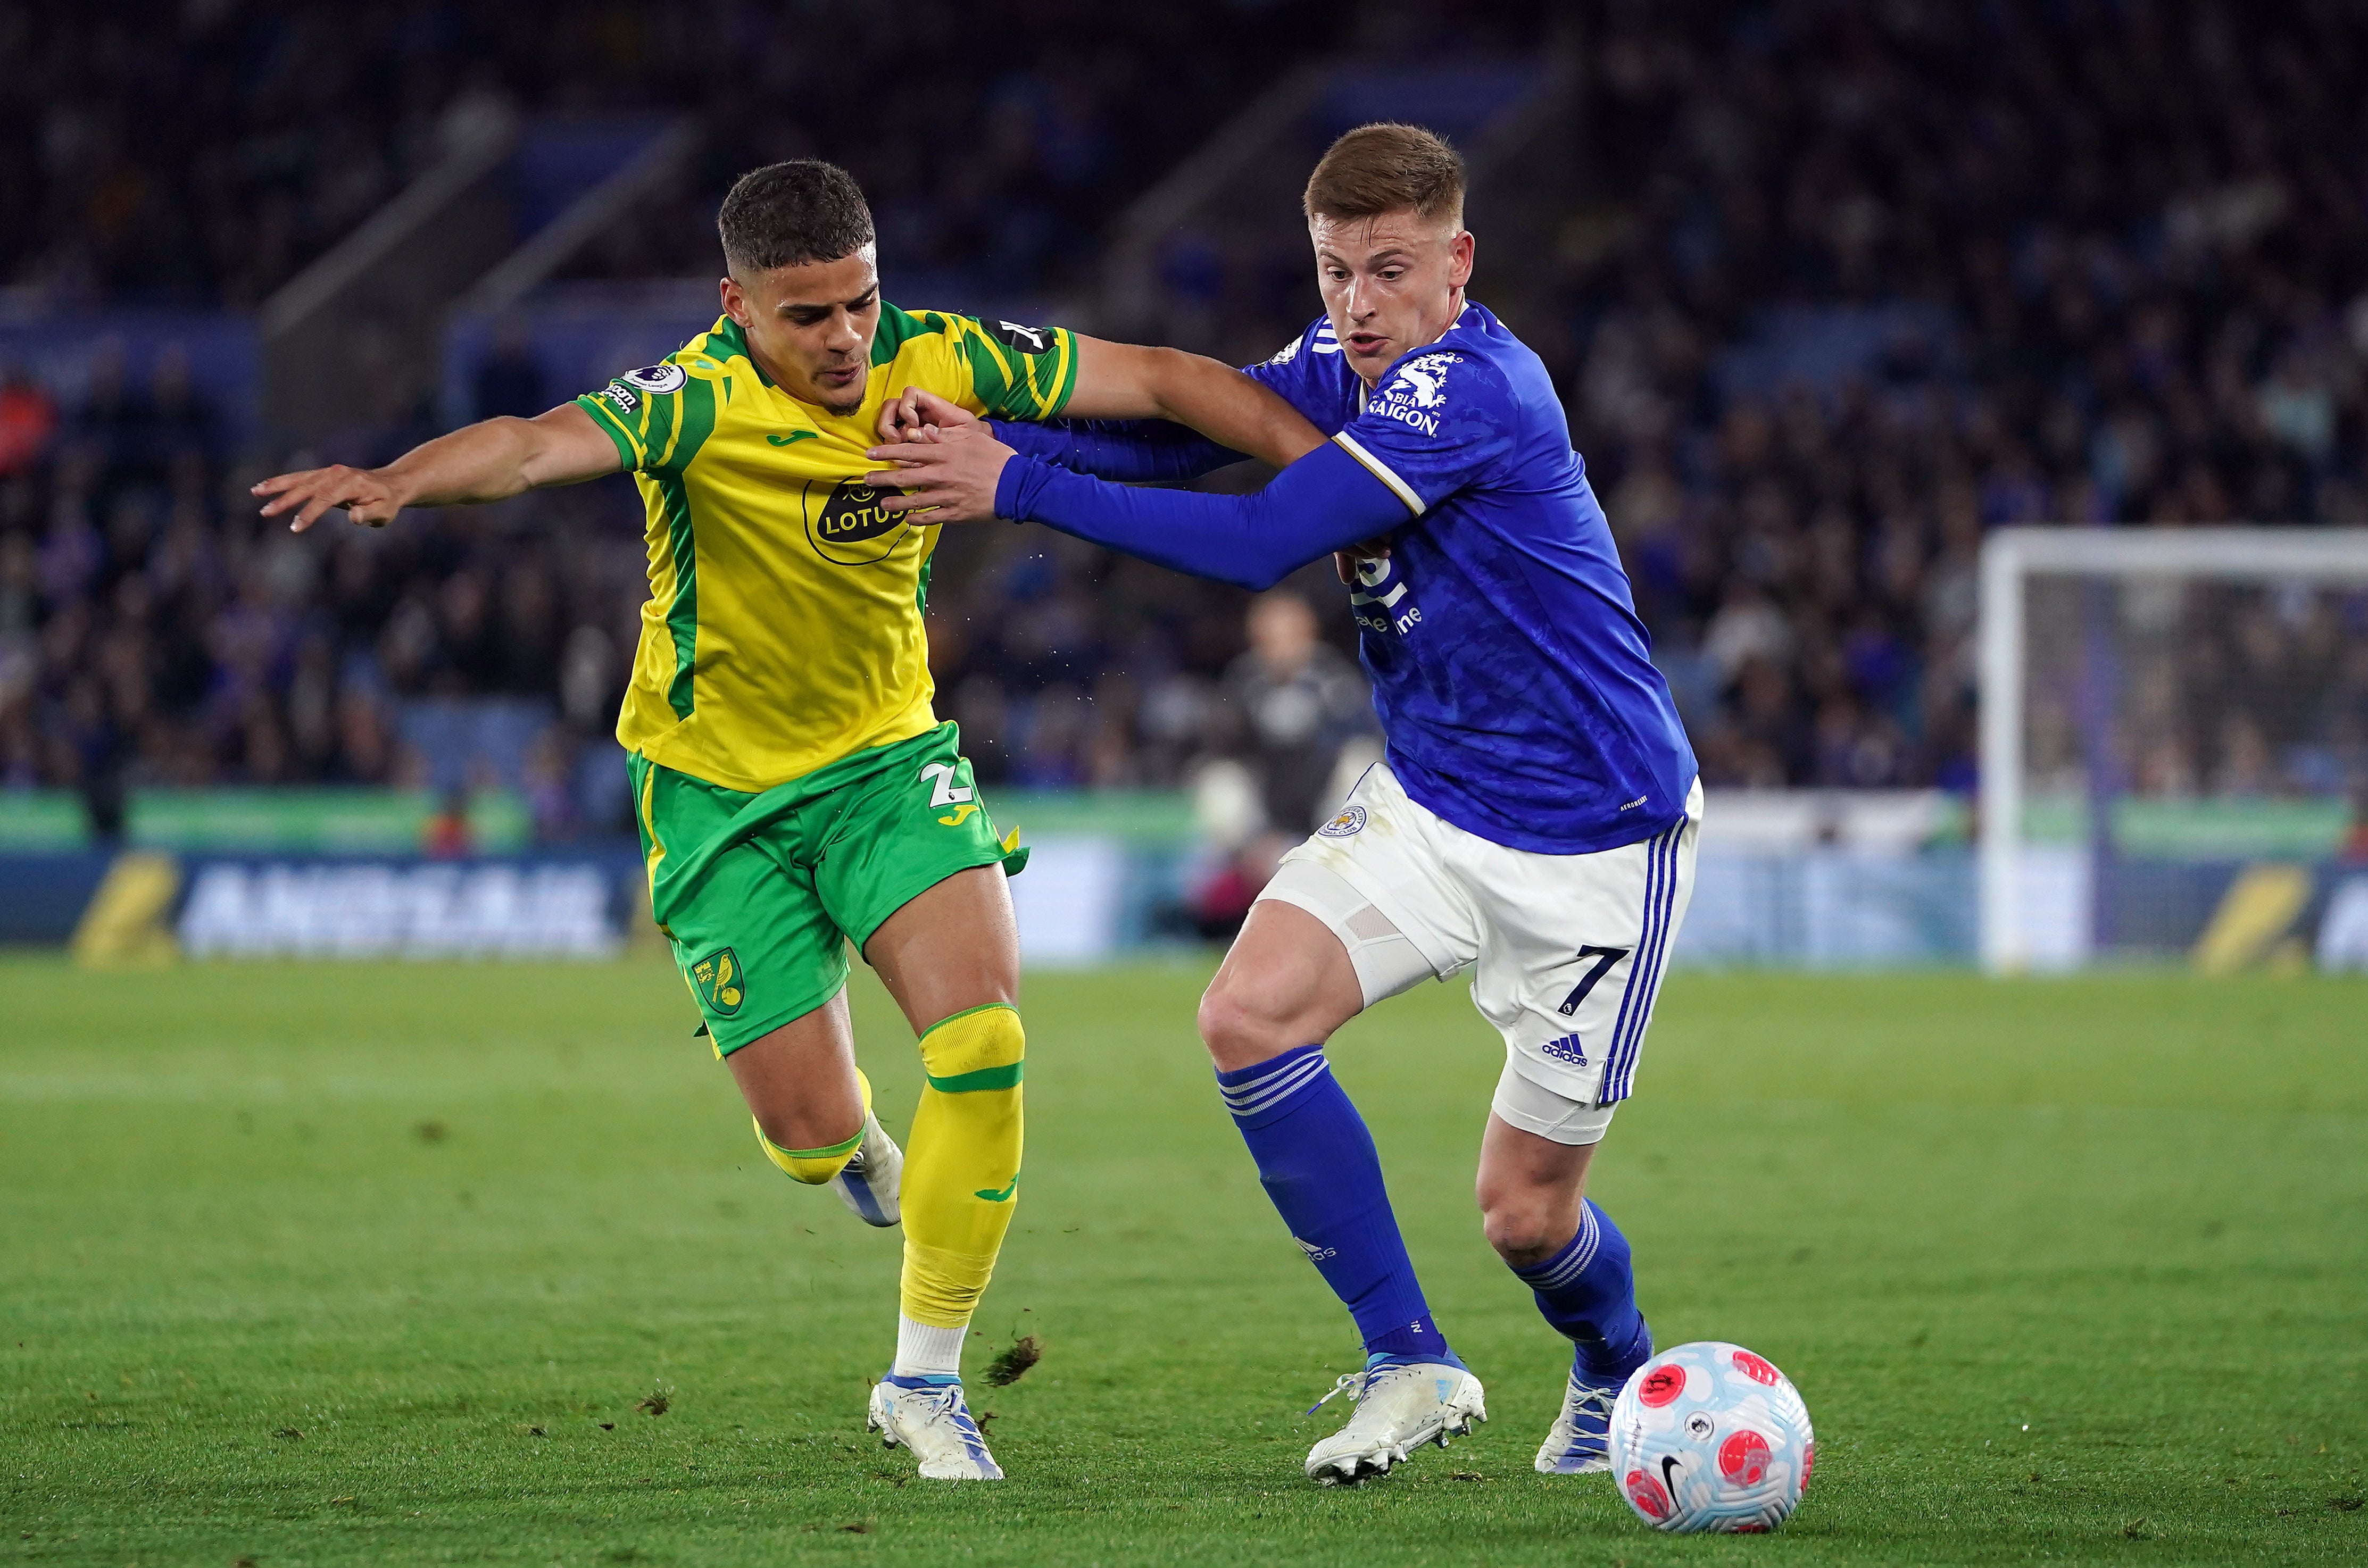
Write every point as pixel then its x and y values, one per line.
pixel 1125 381
pixel 491 460
pixel 500 457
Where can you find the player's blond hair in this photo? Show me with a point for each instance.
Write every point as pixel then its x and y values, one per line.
pixel 1387 169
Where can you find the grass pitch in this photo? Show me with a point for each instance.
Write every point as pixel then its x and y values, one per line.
pixel 410 1264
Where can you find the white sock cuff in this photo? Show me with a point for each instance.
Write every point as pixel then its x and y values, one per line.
pixel 925 1350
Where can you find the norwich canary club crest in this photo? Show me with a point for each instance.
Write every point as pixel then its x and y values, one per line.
pixel 718 979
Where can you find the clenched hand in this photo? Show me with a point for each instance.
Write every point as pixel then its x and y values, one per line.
pixel 952 471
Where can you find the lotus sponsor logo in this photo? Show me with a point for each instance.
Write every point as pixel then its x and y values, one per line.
pixel 848 527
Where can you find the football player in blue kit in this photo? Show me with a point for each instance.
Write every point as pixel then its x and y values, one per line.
pixel 1534 821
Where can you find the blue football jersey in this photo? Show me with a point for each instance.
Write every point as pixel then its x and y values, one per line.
pixel 1514 681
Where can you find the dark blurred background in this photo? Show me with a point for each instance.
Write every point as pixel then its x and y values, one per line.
pixel 1830 290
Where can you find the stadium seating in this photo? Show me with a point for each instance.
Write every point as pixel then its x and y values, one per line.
pixel 2080 274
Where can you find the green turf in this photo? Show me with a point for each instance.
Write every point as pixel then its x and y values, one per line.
pixel 328 1264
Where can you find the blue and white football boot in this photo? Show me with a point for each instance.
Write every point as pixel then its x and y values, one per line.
pixel 927 1415
pixel 1578 1442
pixel 868 1183
pixel 1401 1403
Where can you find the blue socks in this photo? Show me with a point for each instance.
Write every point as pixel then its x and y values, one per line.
pixel 1317 1162
pixel 1587 1291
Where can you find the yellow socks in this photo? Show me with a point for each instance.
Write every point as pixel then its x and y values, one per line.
pixel 962 1172
pixel 815 1166
pixel 962 1169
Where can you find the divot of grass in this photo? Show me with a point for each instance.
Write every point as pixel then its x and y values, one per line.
pixel 1012 1363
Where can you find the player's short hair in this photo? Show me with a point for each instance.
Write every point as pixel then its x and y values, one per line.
pixel 1387 169
pixel 788 214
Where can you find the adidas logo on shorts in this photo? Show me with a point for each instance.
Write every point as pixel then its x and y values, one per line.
pixel 1567 1048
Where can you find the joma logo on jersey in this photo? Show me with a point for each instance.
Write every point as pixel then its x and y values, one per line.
pixel 848 527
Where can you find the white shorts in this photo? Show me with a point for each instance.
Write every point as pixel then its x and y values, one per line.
pixel 1566 950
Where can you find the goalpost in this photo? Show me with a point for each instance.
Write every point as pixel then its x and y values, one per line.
pixel 2162 707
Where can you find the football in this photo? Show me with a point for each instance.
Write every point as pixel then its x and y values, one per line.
pixel 1710 1436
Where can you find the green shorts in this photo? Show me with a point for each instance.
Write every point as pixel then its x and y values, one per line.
pixel 760 894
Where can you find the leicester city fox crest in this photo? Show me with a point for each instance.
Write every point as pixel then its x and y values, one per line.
pixel 717 979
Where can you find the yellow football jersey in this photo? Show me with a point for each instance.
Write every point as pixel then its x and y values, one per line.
pixel 783 627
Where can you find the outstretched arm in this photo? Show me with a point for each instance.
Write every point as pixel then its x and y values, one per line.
pixel 1325 502
pixel 1125 381
pixel 1230 415
pixel 491 460
pixel 1138 451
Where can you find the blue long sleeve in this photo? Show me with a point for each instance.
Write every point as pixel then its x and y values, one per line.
pixel 1326 500
pixel 1136 450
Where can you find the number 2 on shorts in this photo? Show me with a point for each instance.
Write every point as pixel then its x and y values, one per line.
pixel 947 792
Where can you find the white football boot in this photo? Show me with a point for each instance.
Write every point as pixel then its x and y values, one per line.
pixel 868 1183
pixel 1578 1442
pixel 929 1416
pixel 1401 1404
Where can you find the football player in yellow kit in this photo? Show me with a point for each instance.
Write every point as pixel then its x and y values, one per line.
pixel 794 787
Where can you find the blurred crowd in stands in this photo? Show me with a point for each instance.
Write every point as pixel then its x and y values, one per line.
pixel 2109 265
pixel 1846 286
pixel 153 631
pixel 200 151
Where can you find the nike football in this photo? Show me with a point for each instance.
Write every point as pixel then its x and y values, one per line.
pixel 1710 1436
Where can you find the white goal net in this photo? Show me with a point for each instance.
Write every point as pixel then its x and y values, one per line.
pixel 2174 746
